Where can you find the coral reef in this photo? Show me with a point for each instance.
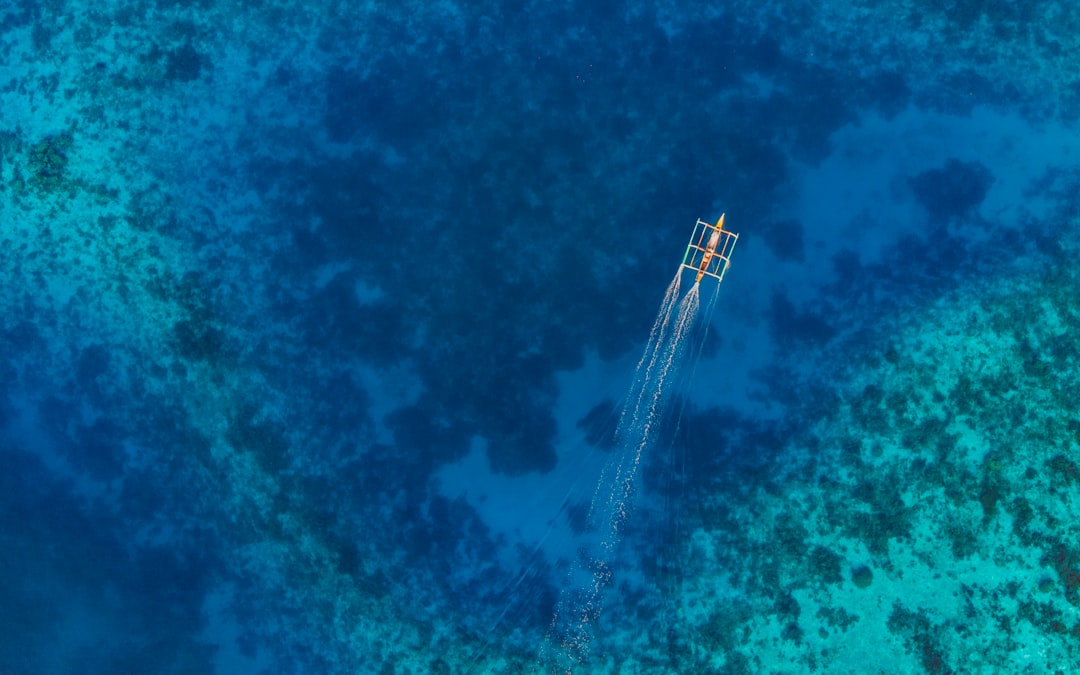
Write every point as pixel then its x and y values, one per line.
pixel 952 192
pixel 298 296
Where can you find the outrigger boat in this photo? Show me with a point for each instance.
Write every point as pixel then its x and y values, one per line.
pixel 709 257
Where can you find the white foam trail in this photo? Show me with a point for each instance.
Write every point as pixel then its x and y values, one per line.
pixel 642 374
pixel 670 352
pixel 581 601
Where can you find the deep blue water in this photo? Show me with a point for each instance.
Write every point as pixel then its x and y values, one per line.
pixel 320 321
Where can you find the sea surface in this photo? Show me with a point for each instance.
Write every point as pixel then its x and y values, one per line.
pixel 334 337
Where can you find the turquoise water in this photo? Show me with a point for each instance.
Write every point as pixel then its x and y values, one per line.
pixel 318 318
